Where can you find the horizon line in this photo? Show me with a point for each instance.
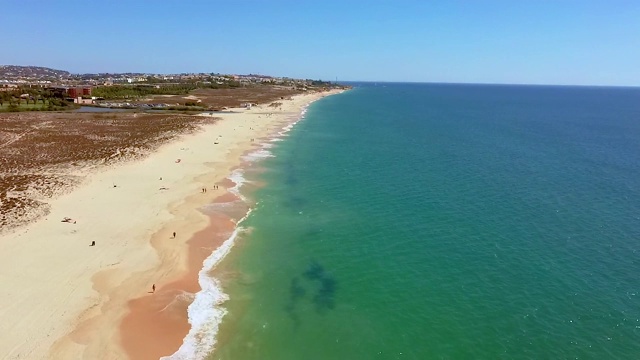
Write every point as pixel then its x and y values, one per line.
pixel 483 83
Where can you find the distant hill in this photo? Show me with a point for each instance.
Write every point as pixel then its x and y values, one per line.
pixel 37 72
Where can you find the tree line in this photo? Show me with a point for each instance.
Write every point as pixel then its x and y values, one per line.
pixel 15 99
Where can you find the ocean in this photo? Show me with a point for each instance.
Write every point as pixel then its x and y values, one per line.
pixel 441 221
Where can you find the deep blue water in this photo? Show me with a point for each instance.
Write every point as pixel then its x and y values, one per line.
pixel 420 221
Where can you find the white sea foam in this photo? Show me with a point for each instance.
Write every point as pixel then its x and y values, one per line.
pixel 283 132
pixel 287 128
pixel 205 312
pixel 257 155
pixel 237 176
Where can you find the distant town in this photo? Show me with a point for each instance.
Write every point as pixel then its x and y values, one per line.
pixel 25 88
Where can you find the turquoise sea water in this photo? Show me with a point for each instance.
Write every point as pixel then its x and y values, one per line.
pixel 424 221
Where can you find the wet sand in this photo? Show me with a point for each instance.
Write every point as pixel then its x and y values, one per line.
pixel 157 323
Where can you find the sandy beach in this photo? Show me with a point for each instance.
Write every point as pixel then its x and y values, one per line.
pixel 64 299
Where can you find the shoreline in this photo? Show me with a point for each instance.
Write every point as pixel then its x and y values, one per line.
pixel 89 290
pixel 156 324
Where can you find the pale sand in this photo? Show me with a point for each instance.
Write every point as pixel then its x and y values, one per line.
pixel 61 298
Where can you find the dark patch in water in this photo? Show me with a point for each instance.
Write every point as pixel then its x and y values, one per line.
pixel 296 202
pixel 291 180
pixel 324 299
pixel 315 271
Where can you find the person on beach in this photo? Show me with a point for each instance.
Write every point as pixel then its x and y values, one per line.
pixel 153 288
pixel 93 243
pixel 174 234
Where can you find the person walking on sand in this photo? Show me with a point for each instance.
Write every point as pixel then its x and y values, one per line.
pixel 174 234
pixel 153 288
pixel 93 243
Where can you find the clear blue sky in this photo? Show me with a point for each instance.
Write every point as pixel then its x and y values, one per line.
pixel 476 41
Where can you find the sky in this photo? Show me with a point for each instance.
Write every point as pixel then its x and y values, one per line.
pixel 474 41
